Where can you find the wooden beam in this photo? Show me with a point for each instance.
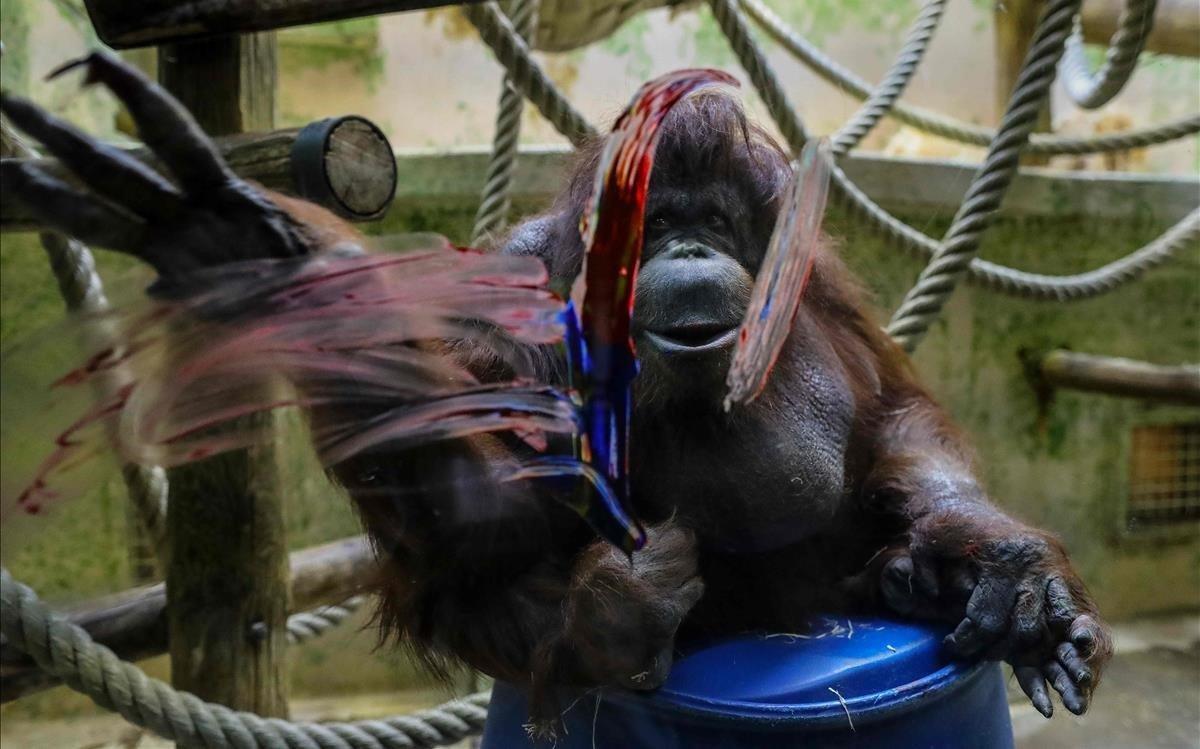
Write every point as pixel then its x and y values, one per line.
pixel 1015 24
pixel 228 82
pixel 1176 25
pixel 343 163
pixel 136 23
pixel 1122 377
pixel 227 552
pixel 133 624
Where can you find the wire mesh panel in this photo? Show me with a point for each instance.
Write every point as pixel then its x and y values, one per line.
pixel 1164 476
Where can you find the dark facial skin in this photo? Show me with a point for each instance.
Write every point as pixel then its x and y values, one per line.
pixel 844 487
pixel 692 292
pixel 704 241
pixel 702 251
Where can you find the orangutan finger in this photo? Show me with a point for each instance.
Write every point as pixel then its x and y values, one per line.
pixel 70 211
pixel 1060 604
pixel 1073 698
pixel 896 585
pixel 107 170
pixel 1027 625
pixel 165 126
pixel 1074 663
pixel 1033 684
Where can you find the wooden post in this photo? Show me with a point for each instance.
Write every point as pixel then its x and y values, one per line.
pixel 133 623
pixel 227 556
pixel 1016 22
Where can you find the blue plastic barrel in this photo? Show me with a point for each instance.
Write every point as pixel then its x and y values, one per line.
pixel 843 682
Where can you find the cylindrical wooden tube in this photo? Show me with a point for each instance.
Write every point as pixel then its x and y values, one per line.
pixel 343 163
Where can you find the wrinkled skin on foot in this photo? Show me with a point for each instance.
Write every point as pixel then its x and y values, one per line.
pixel 1011 594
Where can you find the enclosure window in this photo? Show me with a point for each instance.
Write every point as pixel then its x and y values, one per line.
pixel 1164 476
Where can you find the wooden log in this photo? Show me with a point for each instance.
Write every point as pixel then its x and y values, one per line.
pixel 343 163
pixel 136 23
pixel 1176 25
pixel 226 575
pixel 1123 377
pixel 911 187
pixel 1015 24
pixel 133 623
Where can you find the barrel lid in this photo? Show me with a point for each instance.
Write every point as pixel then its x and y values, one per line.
pixel 837 666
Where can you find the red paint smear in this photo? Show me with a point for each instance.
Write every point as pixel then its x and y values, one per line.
pixel 783 277
pixel 612 228
pixel 65 446
pixel 331 331
pixel 103 361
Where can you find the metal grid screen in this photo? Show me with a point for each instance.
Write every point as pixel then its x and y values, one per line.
pixel 1164 476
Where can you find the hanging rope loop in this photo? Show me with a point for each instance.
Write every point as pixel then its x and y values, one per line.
pixel 948 127
pixel 1094 90
pixel 883 99
pixel 493 210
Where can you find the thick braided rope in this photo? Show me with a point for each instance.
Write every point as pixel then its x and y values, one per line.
pixel 1024 284
pixel 66 651
pixel 981 272
pixel 79 284
pixel 1185 233
pixel 1000 278
pixel 733 25
pixel 924 301
pixel 148 492
pixel 492 214
pixel 81 289
pixel 884 97
pixel 526 75
pixel 948 127
pixel 307 625
pixel 1094 90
